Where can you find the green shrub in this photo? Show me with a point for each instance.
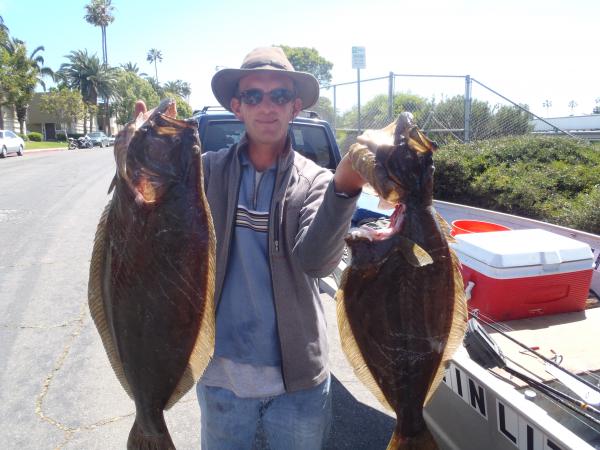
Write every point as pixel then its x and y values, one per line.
pixel 584 212
pixel 61 137
pixel 35 136
pixel 23 136
pixel 547 178
pixel 345 139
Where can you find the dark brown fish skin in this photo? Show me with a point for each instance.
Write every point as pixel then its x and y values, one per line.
pixel 156 278
pixel 400 313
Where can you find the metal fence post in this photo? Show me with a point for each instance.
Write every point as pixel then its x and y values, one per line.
pixel 467 136
pixel 358 86
pixel 391 96
pixel 334 107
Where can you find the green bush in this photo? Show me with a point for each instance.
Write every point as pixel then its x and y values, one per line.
pixel 35 136
pixel 23 136
pixel 547 178
pixel 61 137
pixel 345 139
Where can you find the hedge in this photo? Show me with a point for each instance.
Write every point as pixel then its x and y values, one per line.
pixel 553 179
pixel 35 136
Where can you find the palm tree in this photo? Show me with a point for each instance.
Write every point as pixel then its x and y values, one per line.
pixel 26 73
pixel 3 29
pixel 3 38
pixel 572 105
pixel 547 104
pixel 156 86
pixel 99 14
pixel 179 87
pixel 133 68
pixel 171 86
pixel 85 73
pixel 153 56
pixel 185 89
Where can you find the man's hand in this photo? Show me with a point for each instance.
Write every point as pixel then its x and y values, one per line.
pixel 346 179
pixel 139 108
pixel 376 138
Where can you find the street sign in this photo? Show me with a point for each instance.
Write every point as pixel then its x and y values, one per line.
pixel 359 60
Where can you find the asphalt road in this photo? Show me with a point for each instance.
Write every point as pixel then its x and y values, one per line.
pixel 57 389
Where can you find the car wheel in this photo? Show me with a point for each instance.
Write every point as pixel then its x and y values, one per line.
pixel 20 151
pixel 3 153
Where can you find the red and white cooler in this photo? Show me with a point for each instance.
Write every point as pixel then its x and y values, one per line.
pixel 524 273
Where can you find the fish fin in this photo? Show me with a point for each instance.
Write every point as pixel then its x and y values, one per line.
pixel 140 440
pixel 351 349
pixel 96 303
pixel 415 255
pixel 205 341
pixel 457 328
pixel 445 226
pixel 113 183
pixel 418 142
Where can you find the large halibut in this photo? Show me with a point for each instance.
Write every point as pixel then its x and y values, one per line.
pixel 151 282
pixel 401 306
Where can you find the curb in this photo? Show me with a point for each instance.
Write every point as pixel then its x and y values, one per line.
pixel 38 150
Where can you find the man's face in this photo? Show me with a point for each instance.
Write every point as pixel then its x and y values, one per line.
pixel 266 122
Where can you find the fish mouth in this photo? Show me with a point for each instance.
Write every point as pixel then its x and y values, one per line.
pixel 377 232
pixel 146 186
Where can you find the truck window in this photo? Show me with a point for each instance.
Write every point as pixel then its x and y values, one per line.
pixel 311 141
pixel 221 134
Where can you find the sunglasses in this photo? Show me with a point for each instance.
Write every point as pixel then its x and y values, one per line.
pixel 278 97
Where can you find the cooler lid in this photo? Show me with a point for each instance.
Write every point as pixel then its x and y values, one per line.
pixel 518 248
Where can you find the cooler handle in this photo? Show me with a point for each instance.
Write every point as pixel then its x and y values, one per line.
pixel 468 289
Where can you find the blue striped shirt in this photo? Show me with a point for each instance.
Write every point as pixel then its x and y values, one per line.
pixel 246 321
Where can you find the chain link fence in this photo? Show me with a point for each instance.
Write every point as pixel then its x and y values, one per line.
pixel 448 108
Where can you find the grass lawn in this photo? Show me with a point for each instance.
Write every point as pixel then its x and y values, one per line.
pixel 31 145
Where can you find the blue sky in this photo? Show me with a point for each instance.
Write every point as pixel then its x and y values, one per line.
pixel 528 50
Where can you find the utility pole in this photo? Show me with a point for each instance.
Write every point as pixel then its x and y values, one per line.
pixel 358 62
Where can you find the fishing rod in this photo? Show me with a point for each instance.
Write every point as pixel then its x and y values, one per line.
pixel 484 350
pixel 570 402
pixel 539 355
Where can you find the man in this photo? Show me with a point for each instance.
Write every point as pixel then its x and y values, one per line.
pixel 280 221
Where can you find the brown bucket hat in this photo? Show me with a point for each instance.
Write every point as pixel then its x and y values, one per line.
pixel 264 59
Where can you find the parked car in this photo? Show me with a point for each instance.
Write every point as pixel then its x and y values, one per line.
pixel 99 138
pixel 10 143
pixel 111 140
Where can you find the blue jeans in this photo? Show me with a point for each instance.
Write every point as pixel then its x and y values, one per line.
pixel 298 420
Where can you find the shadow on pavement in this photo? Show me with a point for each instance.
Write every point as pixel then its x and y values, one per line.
pixel 355 425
